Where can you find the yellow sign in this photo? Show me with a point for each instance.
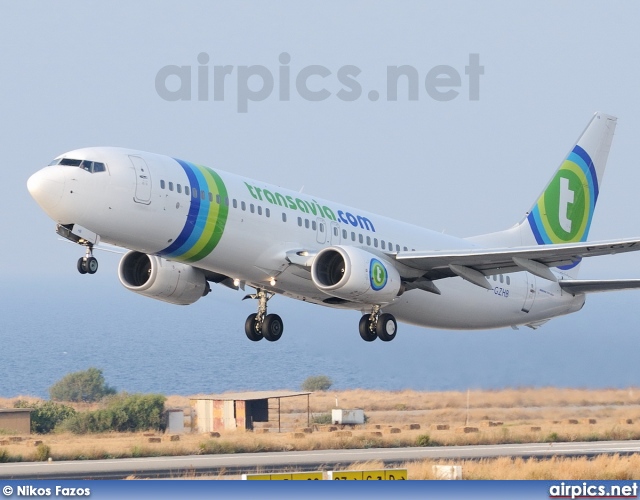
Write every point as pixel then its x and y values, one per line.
pixel 368 475
pixel 294 476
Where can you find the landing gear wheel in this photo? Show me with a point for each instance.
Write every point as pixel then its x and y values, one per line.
pixel 272 327
pixel 91 265
pixel 250 328
pixel 81 266
pixel 365 329
pixel 386 327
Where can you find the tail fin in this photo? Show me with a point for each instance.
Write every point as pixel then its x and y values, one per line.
pixel 564 209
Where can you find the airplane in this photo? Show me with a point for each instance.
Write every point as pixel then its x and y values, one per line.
pixel 186 226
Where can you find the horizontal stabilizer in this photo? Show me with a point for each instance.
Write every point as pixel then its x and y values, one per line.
pixel 592 286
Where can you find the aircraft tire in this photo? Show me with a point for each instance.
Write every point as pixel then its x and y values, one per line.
pixel 387 327
pixel 272 327
pixel 250 328
pixel 91 265
pixel 366 334
pixel 81 266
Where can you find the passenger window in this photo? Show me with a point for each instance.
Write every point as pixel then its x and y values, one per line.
pixel 194 192
pixel 252 208
pixel 300 221
pixel 344 234
pixel 368 240
pixel 314 225
pixel 179 188
pixel 375 242
pixel 306 223
pixel 267 212
pixel 353 236
pixel 210 197
pixel 170 186
pixel 501 279
pixel 284 217
pixel 235 203
pixel 335 231
pixel 508 281
pixel 226 201
pixel 383 244
pixel 259 210
pixel 243 205
pixel 405 249
pixel 321 227
pixel 161 184
pixel 186 190
pixel 202 195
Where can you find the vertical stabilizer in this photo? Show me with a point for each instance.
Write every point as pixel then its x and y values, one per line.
pixel 564 210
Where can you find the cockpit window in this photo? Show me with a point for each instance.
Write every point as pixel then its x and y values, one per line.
pixel 88 165
pixel 68 162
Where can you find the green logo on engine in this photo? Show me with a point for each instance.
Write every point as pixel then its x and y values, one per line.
pixel 377 274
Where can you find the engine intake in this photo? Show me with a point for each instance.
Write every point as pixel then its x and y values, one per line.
pixel 354 274
pixel 162 279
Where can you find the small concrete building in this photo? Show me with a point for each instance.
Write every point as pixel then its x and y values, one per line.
pixel 238 410
pixel 16 420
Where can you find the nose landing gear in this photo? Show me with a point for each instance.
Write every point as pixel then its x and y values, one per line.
pixel 88 264
pixel 263 325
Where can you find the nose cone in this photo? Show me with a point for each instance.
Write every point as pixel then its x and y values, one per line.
pixel 46 187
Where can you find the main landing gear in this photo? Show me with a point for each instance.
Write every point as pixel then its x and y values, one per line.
pixel 377 325
pixel 88 264
pixel 263 325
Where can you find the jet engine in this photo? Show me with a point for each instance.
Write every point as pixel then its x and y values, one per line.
pixel 162 279
pixel 354 274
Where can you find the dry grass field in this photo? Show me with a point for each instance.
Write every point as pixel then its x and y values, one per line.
pixel 395 419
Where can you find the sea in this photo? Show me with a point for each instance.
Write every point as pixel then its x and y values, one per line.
pixel 146 346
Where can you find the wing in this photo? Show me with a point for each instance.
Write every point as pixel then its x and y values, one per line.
pixel 474 264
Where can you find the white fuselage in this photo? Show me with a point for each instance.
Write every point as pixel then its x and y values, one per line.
pixel 135 203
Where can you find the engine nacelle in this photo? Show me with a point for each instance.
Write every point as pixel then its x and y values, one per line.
pixel 354 274
pixel 162 279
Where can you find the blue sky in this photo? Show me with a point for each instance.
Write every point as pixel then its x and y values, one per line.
pixel 77 74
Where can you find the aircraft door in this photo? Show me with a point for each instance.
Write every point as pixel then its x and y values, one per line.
pixel 143 180
pixel 530 292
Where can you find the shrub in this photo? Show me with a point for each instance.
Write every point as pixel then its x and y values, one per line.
pixel 317 383
pixel 47 415
pixel 321 419
pixel 124 413
pixel 4 456
pixel 553 437
pixel 88 386
pixel 423 440
pixel 43 452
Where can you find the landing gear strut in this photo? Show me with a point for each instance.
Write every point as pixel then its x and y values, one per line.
pixel 88 264
pixel 377 325
pixel 261 325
